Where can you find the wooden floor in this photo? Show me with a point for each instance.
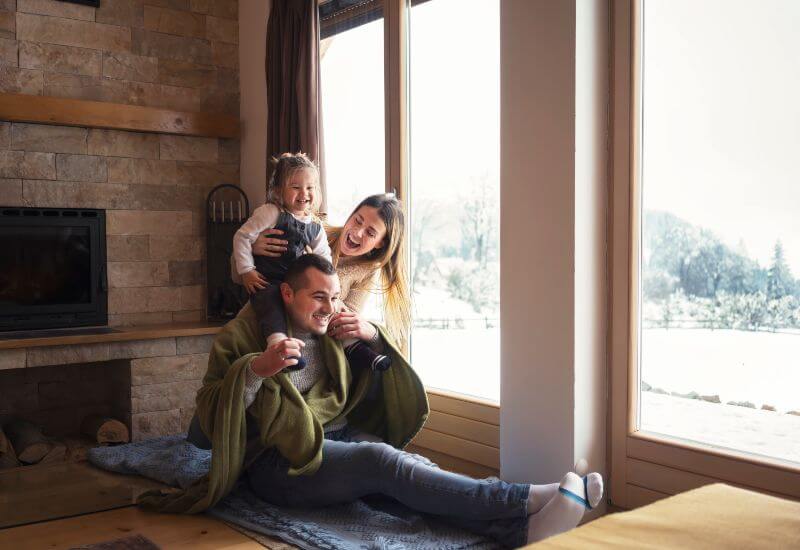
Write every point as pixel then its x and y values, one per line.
pixel 72 504
pixel 54 491
pixel 166 530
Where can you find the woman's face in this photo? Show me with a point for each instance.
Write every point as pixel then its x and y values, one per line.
pixel 363 232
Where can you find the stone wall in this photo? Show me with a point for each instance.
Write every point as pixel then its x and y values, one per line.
pixel 178 54
pixel 148 384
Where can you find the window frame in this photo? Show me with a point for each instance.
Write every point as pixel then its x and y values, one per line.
pixel 647 467
pixel 459 425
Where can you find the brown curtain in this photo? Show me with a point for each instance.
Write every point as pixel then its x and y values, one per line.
pixel 294 103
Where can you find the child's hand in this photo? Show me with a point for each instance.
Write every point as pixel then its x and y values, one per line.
pixel 253 281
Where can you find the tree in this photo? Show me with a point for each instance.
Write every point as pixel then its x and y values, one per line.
pixel 780 282
pixel 479 221
pixel 425 222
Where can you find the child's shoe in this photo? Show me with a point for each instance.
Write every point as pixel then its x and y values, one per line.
pixel 360 354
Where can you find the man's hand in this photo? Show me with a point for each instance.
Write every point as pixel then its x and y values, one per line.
pixel 253 281
pixel 349 324
pixel 277 357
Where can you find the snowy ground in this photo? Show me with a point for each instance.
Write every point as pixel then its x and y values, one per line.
pixel 760 367
pixel 461 360
pixel 727 426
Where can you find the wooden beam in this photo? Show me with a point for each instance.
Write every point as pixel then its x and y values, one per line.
pixel 97 114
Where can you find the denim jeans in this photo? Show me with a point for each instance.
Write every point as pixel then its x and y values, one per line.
pixel 354 469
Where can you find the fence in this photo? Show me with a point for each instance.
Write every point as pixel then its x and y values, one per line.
pixel 457 323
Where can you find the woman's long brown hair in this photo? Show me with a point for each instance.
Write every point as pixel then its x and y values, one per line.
pixel 390 259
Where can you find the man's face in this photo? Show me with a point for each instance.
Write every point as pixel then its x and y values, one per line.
pixel 310 308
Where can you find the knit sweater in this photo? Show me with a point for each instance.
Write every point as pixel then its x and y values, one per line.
pixel 358 281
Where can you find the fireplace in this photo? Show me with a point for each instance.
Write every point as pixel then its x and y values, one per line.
pixel 52 268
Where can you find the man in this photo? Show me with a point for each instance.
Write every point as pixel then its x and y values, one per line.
pixel 312 432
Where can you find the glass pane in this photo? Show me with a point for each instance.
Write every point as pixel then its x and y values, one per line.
pixel 353 117
pixel 720 324
pixel 455 184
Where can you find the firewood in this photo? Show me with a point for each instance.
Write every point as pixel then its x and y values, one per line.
pixel 77 448
pixel 56 454
pixel 8 458
pixel 27 439
pixel 105 430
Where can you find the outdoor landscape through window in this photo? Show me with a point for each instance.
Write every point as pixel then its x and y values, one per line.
pixel 719 322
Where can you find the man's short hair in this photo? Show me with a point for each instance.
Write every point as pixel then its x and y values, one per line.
pixel 296 274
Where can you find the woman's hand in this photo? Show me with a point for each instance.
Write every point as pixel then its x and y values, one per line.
pixel 254 281
pixel 348 324
pixel 269 246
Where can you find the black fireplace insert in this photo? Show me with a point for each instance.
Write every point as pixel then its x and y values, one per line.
pixel 52 268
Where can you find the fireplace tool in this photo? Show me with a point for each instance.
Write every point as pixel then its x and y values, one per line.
pixel 227 208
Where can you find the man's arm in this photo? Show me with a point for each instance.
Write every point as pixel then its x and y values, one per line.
pixel 273 360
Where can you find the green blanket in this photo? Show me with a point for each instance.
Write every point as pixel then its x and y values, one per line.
pixel 288 421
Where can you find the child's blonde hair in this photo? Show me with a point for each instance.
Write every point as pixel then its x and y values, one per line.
pixel 285 167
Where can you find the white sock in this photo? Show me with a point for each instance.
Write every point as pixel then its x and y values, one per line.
pixel 564 512
pixel 540 495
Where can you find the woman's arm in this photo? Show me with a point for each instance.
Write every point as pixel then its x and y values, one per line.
pixel 264 217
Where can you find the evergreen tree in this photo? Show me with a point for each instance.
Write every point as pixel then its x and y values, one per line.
pixel 780 282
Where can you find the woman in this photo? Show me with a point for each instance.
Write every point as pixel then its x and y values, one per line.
pixel 369 256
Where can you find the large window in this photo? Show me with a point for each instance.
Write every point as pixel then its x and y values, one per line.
pixel 353 115
pixel 720 315
pixel 410 92
pixel 454 194
pixel 707 148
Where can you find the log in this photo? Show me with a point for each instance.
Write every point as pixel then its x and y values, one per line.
pixel 104 430
pixel 56 454
pixel 77 448
pixel 27 439
pixel 8 458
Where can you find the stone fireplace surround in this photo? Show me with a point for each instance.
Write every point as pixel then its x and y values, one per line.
pixel 162 366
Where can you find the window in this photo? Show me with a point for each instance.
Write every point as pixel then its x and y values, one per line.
pixel 705 352
pixel 370 92
pixel 454 118
pixel 353 112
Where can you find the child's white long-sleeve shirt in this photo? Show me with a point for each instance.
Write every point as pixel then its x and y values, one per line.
pixel 263 218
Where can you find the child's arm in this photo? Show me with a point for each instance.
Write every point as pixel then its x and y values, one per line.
pixel 320 245
pixel 263 217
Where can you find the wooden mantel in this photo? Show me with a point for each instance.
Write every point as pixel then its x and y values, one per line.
pixel 96 114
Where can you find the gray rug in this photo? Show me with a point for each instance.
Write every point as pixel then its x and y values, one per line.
pixel 367 524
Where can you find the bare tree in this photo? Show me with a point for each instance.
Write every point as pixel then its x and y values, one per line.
pixel 479 219
pixel 424 221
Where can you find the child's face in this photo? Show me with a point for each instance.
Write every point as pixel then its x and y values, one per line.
pixel 298 192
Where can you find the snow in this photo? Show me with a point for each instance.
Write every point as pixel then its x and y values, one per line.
pixel 760 367
pixel 460 360
pixel 723 426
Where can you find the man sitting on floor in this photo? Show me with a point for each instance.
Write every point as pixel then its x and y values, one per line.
pixel 308 438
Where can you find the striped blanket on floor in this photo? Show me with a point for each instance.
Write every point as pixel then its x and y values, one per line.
pixel 374 523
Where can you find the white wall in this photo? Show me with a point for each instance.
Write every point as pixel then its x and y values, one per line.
pixel 554 92
pixel 537 199
pixel 253 15
pixel 591 209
